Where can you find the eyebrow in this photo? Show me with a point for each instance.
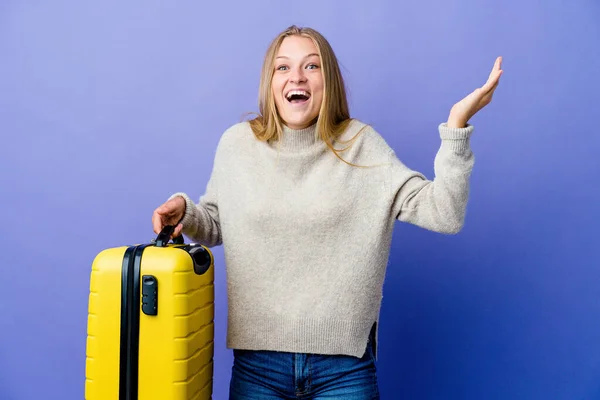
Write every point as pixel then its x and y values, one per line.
pixel 308 56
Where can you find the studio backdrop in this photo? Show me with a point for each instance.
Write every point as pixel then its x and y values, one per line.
pixel 107 108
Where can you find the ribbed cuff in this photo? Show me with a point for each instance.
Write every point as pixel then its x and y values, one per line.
pixel 457 139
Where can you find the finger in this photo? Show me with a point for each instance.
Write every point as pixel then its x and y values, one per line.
pixel 494 74
pixel 497 65
pixel 156 222
pixel 167 208
pixel 487 98
pixel 495 85
pixel 492 82
pixel 177 231
pixel 168 212
pixel 497 68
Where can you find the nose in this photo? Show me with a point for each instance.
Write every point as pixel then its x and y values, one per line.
pixel 297 76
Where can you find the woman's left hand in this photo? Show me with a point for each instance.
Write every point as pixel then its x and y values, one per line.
pixel 464 110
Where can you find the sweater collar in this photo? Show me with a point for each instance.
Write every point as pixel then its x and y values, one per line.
pixel 298 140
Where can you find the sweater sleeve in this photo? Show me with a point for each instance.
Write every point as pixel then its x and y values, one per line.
pixel 201 221
pixel 440 204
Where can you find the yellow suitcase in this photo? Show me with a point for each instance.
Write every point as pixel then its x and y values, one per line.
pixel 150 332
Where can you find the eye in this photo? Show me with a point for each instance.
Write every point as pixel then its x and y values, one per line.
pixel 312 66
pixel 281 68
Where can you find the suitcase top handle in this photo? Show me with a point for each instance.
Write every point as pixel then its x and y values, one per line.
pixel 163 237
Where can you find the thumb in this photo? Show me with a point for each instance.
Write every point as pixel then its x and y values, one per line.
pixel 165 209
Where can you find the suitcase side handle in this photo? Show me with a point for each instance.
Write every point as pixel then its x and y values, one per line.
pixel 163 237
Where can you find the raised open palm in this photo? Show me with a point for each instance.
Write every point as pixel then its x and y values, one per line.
pixel 465 109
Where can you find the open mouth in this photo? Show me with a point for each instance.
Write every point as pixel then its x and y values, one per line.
pixel 297 96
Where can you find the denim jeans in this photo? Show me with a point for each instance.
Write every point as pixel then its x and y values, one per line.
pixel 269 375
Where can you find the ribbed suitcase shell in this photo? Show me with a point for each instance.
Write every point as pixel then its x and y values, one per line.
pixel 175 346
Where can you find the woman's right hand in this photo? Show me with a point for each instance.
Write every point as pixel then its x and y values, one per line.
pixel 170 213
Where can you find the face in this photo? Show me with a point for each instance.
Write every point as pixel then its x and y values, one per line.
pixel 297 83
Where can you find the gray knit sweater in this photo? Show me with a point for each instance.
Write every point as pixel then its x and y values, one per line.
pixel 307 237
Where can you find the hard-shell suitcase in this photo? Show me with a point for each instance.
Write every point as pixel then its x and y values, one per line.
pixel 150 322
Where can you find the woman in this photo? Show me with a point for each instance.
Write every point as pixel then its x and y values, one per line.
pixel 304 200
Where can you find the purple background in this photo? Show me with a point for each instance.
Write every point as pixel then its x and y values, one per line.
pixel 108 108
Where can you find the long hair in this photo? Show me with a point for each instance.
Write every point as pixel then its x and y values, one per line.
pixel 334 115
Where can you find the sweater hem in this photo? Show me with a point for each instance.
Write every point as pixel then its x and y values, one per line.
pixel 299 334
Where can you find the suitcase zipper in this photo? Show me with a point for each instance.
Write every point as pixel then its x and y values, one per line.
pixel 130 322
pixel 126 283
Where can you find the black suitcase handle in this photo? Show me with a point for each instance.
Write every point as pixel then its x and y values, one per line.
pixel 163 237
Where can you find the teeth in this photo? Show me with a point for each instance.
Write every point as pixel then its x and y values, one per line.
pixel 298 92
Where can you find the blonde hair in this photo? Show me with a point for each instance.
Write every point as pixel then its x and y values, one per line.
pixel 334 115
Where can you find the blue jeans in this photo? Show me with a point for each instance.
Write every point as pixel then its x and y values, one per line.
pixel 269 375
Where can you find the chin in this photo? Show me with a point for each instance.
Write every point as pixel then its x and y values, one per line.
pixel 299 122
